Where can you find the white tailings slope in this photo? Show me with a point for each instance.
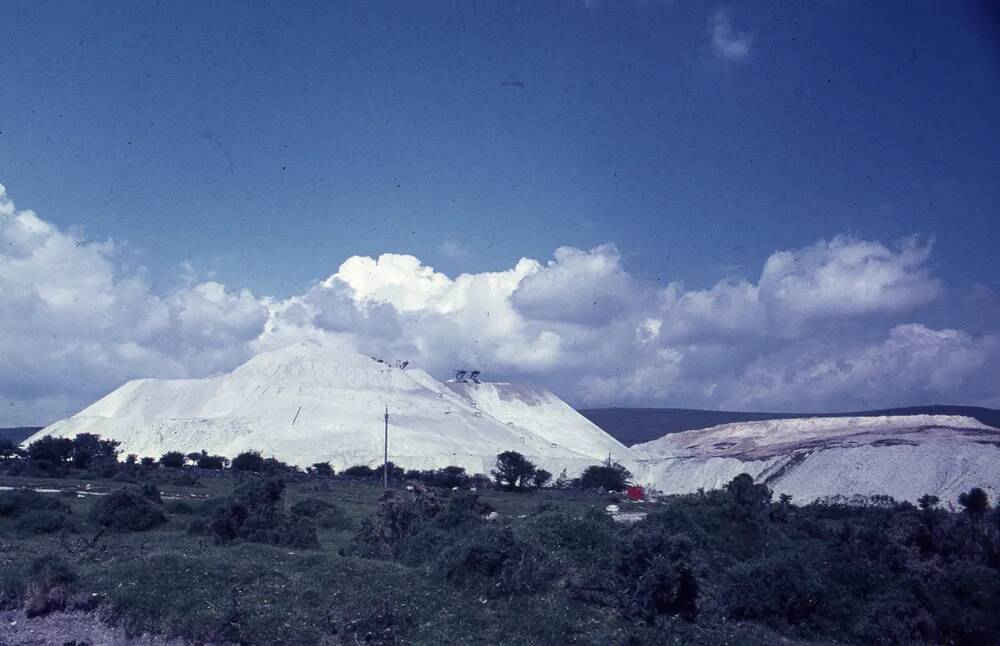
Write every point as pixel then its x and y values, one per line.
pixel 315 402
pixel 902 456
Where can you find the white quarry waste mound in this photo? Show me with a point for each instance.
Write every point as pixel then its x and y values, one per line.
pixel 315 402
pixel 902 456
pixel 541 412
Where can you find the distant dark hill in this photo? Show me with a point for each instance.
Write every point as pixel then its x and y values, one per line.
pixel 18 433
pixel 634 425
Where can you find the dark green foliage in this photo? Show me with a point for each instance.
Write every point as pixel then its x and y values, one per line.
pixel 512 470
pixel 148 462
pixel 151 493
pixel 42 521
pixel 9 449
pixel 654 574
pixel 89 451
pixel 324 514
pixel 52 569
pixel 604 477
pixel 178 507
pixel 216 462
pixel 496 553
pixel 321 469
pixel 252 513
pixel 747 494
pixel 50 453
pixel 248 461
pixel 395 473
pixel 446 477
pixel 358 471
pixel 126 510
pixel 541 477
pixel 975 502
pixel 19 502
pixel 171 460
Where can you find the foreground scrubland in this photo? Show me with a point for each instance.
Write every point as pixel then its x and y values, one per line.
pixel 226 556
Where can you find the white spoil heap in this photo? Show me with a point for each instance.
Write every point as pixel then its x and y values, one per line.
pixel 314 402
pixel 903 456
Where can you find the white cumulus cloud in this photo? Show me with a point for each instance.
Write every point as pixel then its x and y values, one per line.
pixel 832 325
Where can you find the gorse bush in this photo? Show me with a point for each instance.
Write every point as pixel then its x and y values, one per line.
pixel 126 510
pixel 253 513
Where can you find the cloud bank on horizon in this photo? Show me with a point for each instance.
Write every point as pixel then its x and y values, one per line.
pixel 829 326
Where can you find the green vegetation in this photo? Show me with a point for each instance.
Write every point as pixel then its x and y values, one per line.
pixel 290 557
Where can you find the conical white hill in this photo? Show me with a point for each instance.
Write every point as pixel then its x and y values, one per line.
pixel 315 402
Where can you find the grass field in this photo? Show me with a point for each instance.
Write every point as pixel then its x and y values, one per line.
pixel 549 567
pixel 168 581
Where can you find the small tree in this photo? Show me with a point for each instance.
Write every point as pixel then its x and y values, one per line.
pixel 50 452
pixel 172 460
pixel 248 461
pixel 541 478
pixel 148 461
pixel 512 470
pixel 746 493
pixel 976 503
pixel 89 449
pixel 611 478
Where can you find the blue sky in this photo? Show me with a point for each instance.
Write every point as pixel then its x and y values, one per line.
pixel 266 144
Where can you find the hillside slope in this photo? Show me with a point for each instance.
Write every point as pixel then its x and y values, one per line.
pixel 903 456
pixel 634 425
pixel 311 402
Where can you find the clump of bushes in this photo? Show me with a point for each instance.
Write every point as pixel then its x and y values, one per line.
pixel 253 513
pixel 511 563
pixel 34 512
pixel 126 510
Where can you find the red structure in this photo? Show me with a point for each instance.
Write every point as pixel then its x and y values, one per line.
pixel 635 492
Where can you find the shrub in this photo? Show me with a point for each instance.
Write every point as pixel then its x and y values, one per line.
pixel 171 460
pixel 512 470
pixel 655 576
pixel 398 514
pixel 90 450
pixel 776 590
pixel 126 510
pixel 448 477
pixel 541 478
pixel 495 553
pixel 18 502
pixel 148 461
pixel 322 513
pixel 49 453
pixel 358 471
pixel 608 478
pixel 213 462
pixel 42 521
pixel 248 461
pixel 321 469
pixel 251 513
pixel 275 528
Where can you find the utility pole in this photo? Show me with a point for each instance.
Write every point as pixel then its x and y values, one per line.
pixel 385 458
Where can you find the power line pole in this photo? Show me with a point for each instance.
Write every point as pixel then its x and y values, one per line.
pixel 385 458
